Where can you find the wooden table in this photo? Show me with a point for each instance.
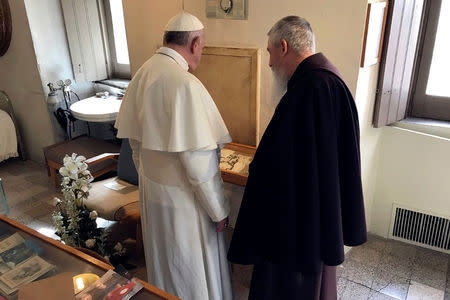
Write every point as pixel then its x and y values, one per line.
pixel 68 259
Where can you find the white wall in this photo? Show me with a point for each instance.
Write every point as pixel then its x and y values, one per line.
pixel 19 77
pixel 338 26
pixel 370 137
pixel 52 53
pixel 414 171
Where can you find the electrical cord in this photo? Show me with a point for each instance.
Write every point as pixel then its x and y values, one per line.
pixel 75 95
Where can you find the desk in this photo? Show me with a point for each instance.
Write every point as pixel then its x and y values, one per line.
pixel 68 259
pixel 96 109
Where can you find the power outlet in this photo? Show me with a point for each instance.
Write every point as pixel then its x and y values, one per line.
pixel 227 9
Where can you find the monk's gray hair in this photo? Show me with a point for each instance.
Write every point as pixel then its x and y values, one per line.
pixel 296 31
pixel 180 38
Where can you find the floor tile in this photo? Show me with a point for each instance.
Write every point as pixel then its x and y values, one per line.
pixel 358 272
pixel 430 277
pixel 355 291
pixel 399 266
pixel 448 278
pixel 39 210
pixel 418 291
pixel 43 228
pixel 340 271
pixel 365 255
pixel 432 259
pixel 401 250
pixel 390 284
pixel 341 286
pixel 20 217
pixel 376 242
pixel 373 295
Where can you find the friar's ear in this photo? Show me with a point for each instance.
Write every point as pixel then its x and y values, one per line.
pixel 284 47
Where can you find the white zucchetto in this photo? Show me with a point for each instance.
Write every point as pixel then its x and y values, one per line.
pixel 184 22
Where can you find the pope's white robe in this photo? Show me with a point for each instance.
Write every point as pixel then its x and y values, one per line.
pixel 176 132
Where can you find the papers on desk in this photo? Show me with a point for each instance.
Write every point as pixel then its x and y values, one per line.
pixel 115 185
pixel 19 263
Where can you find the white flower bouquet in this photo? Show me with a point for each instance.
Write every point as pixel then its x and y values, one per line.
pixel 74 222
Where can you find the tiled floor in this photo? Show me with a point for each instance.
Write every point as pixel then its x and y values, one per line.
pixel 380 269
pixel 386 269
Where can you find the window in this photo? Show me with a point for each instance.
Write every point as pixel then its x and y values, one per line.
pixel 413 80
pixel 398 61
pixel 431 98
pixel 117 39
pixel 97 40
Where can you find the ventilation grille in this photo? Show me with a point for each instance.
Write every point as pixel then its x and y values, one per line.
pixel 420 228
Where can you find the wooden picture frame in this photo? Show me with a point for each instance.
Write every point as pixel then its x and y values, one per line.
pixel 374 33
pixel 232 77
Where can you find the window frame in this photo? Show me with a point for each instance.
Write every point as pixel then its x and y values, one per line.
pixel 421 104
pixel 122 71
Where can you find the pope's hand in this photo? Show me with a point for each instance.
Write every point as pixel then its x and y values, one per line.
pixel 221 225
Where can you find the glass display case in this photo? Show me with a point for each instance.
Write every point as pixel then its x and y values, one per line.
pixel 67 259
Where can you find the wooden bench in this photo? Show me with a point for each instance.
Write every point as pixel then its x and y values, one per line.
pixel 89 147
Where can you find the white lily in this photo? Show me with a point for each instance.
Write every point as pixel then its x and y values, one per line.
pixel 64 171
pixel 56 201
pixel 67 159
pixel 90 243
pixel 85 188
pixel 80 159
pixel 118 247
pixel 93 215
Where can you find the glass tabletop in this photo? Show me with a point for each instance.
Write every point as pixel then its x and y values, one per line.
pixel 68 259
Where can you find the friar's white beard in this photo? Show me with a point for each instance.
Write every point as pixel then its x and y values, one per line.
pixel 279 87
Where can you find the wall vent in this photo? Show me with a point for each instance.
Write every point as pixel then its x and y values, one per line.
pixel 420 228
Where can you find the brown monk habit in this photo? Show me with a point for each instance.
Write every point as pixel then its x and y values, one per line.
pixel 303 200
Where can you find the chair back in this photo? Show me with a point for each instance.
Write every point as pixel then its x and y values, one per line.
pixel 126 169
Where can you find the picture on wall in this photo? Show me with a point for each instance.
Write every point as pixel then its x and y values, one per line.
pixel 374 33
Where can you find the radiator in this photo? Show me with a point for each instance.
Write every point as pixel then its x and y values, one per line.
pixel 420 228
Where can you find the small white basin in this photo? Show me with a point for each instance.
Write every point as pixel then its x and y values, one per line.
pixel 96 109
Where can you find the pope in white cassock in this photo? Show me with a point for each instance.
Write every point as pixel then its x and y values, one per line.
pixel 176 133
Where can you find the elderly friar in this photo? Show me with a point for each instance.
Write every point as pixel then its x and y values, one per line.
pixel 176 133
pixel 303 200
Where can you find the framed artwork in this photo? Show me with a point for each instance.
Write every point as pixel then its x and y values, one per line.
pixel 236 94
pixel 5 26
pixel 374 33
pixel 236 90
pixel 227 9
